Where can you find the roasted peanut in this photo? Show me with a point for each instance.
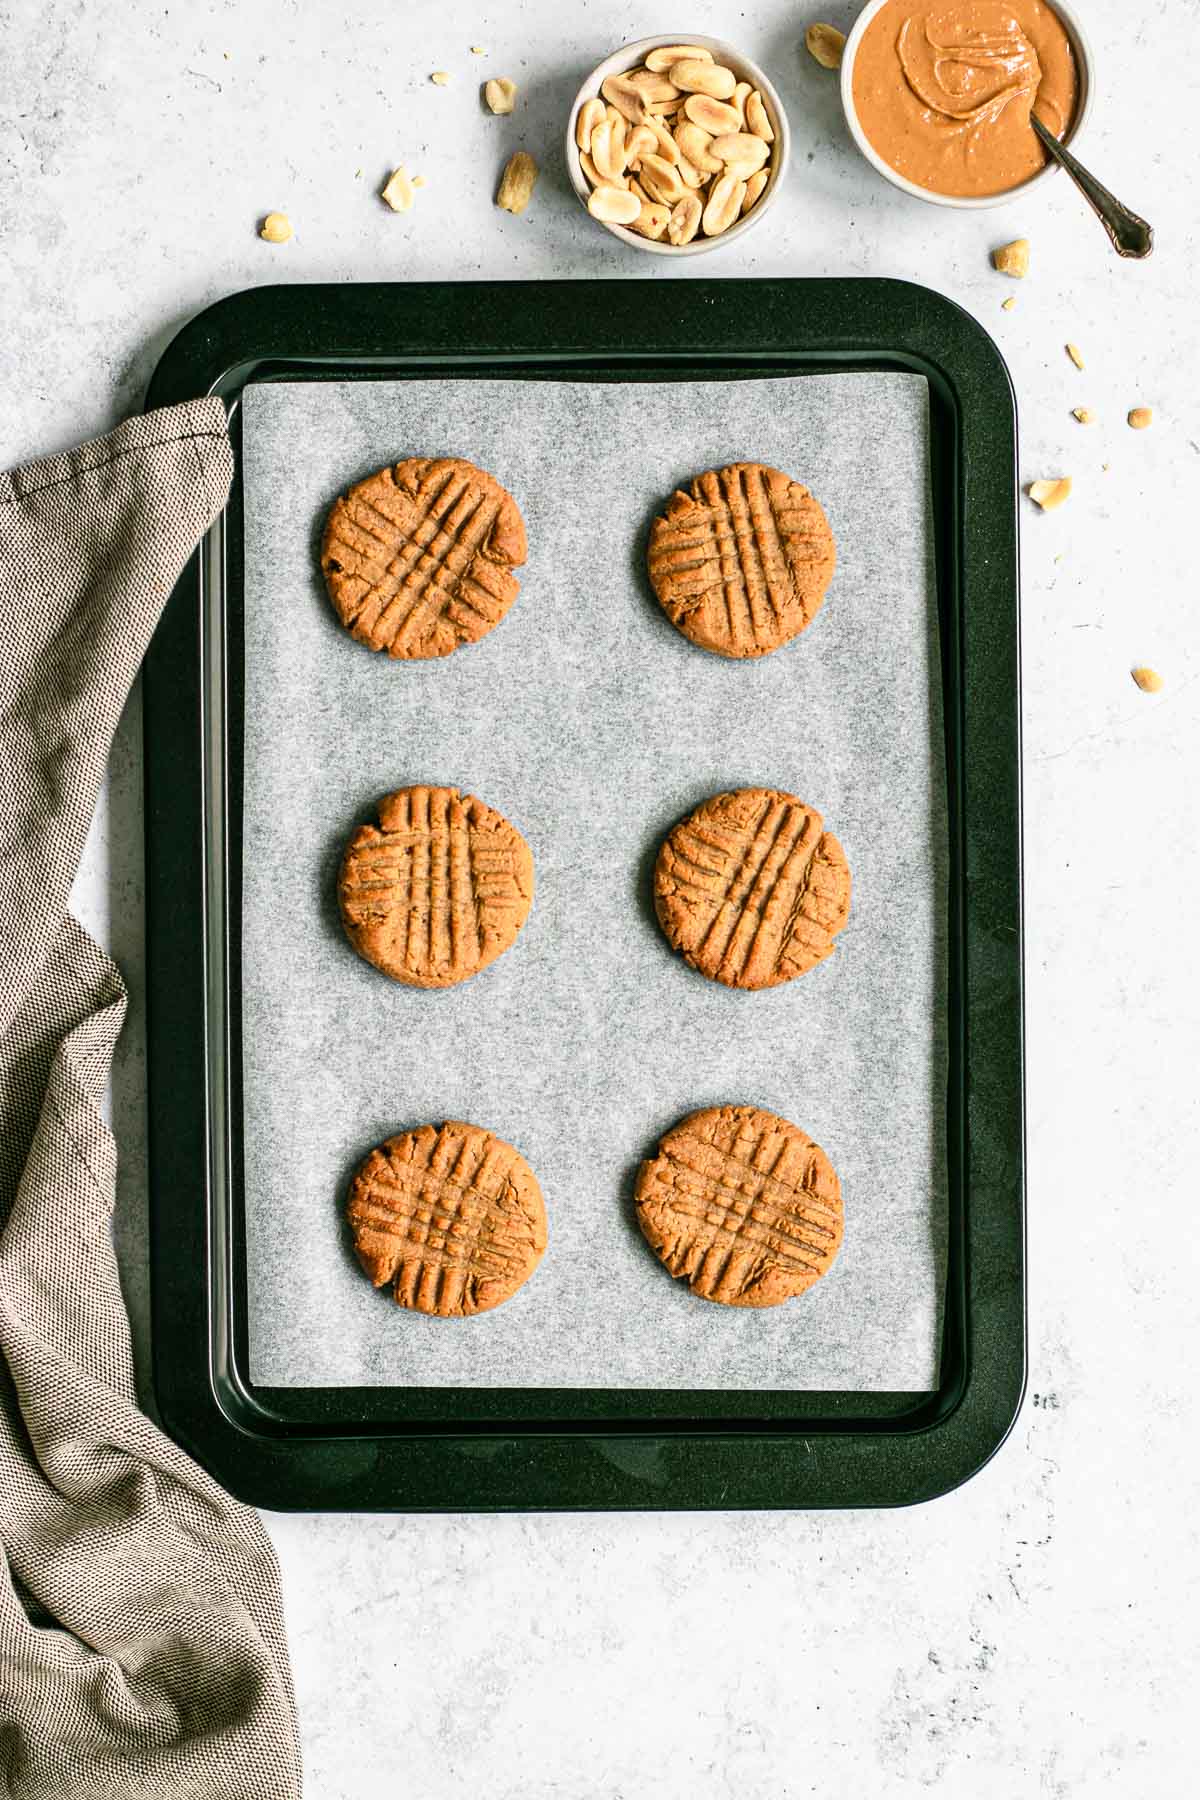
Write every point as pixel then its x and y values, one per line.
pixel 652 221
pixel 627 99
pixel 1012 259
pixel 694 76
pixel 825 44
pixel 724 204
pixel 516 183
pixel 756 118
pixel 712 115
pixel 696 145
pixel 608 149
pixel 685 219
pixel 742 149
pixel 754 188
pixel 653 88
pixel 587 119
pixel 661 181
pixel 615 206
pixel 501 94
pixel 1049 494
pixel 668 149
pixel 640 139
pixel 398 191
pixel 661 60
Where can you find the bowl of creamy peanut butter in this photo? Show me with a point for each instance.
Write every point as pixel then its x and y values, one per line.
pixel 938 93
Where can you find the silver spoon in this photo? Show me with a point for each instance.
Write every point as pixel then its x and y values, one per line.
pixel 1130 235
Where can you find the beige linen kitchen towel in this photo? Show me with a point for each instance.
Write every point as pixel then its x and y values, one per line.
pixel 142 1648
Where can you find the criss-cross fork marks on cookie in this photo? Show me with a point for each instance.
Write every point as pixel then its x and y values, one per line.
pixel 742 1205
pixel 418 559
pixel 438 890
pixel 449 1216
pixel 741 563
pixel 750 889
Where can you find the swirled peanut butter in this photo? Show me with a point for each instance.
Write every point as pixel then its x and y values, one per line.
pixel 944 93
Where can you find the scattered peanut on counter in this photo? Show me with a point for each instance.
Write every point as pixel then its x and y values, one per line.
pixel 276 228
pixel 1149 680
pixel 1140 416
pixel 1012 259
pixel 675 146
pixel 825 44
pixel 1084 414
pixel 516 183
pixel 398 192
pixel 1075 354
pixel 1049 494
pixel 500 94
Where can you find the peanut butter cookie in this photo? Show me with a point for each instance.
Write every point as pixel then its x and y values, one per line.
pixel 438 890
pixel 742 1205
pixel 750 890
pixel 450 1217
pixel 741 563
pixel 419 558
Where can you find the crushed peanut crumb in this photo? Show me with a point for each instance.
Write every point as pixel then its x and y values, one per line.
pixel 1149 680
pixel 276 228
pixel 1084 414
pixel 1075 354
pixel 500 94
pixel 1140 417
pixel 478 50
pixel 1049 494
pixel 1007 305
pixel 418 181
pixel 1012 259
pixel 398 193
pixel 440 78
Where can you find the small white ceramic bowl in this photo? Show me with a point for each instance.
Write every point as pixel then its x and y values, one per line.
pixel 1085 70
pixel 628 57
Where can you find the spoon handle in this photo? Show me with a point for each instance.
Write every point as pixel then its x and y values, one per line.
pixel 1130 235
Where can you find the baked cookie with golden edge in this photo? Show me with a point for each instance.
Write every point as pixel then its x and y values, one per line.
pixel 741 563
pixel 437 890
pixel 419 558
pixel 750 889
pixel 448 1216
pixel 741 1205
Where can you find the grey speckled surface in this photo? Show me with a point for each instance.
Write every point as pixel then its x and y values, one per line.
pixel 1030 1637
pixel 593 724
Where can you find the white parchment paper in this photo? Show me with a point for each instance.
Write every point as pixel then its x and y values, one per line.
pixel 593 725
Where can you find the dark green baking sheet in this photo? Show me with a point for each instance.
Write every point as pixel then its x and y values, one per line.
pixel 485 1448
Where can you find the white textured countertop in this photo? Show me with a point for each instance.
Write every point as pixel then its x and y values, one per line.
pixel 1032 1634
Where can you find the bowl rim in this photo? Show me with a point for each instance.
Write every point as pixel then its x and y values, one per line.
pixel 1085 64
pixel 625 56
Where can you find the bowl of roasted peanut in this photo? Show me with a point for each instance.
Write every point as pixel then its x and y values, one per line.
pixel 677 144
